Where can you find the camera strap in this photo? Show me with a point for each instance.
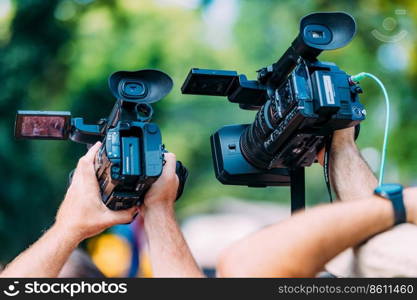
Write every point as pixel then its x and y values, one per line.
pixel 327 149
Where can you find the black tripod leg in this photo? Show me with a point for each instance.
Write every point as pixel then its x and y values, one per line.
pixel 297 189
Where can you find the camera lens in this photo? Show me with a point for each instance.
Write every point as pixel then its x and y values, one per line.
pixel 133 89
pixel 269 116
pixel 253 138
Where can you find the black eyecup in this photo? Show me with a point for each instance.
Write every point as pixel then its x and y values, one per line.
pixel 158 84
pixel 342 27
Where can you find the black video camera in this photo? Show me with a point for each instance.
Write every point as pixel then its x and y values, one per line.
pixel 300 102
pixel 131 157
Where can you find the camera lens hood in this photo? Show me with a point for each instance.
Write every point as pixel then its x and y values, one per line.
pixel 156 83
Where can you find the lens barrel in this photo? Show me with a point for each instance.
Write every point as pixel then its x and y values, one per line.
pixel 252 141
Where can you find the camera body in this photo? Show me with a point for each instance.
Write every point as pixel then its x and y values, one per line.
pixel 131 157
pixel 300 102
pixel 128 163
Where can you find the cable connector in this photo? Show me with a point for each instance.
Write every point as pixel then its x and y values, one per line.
pixel 357 78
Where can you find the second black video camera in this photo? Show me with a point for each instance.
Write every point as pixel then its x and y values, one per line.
pixel 131 157
pixel 300 102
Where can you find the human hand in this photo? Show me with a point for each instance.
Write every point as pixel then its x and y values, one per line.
pixel 83 214
pixel 163 192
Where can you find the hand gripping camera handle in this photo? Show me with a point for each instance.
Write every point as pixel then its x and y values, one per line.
pixel 182 174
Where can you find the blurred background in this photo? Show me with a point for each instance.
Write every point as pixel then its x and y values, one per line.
pixel 57 55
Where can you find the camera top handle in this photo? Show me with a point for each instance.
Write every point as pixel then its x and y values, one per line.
pixel 318 32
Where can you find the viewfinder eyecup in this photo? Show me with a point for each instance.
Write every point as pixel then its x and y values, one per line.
pixel 144 86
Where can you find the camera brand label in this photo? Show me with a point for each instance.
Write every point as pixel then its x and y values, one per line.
pixel 328 89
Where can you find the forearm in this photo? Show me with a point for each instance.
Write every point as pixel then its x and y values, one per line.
pixel 301 245
pixel 351 177
pixel 169 252
pixel 45 258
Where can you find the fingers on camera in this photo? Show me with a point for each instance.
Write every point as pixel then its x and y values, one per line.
pixel 122 216
pixel 90 155
pixel 130 214
pixel 88 159
pixel 170 164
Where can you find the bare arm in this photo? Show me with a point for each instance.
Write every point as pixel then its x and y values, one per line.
pixel 44 258
pixel 301 245
pixel 351 177
pixel 169 252
pixel 82 214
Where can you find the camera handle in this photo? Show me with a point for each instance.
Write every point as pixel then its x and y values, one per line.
pixel 297 187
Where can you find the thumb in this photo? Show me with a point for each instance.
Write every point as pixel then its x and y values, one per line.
pixel 91 153
pixel 123 216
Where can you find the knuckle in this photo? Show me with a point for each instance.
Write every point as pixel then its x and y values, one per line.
pixel 170 156
pixel 173 180
pixel 83 161
pixel 126 218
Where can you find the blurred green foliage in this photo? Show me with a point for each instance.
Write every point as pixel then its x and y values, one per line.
pixel 57 55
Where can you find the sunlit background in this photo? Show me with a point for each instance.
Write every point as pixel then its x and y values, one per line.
pixel 57 55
